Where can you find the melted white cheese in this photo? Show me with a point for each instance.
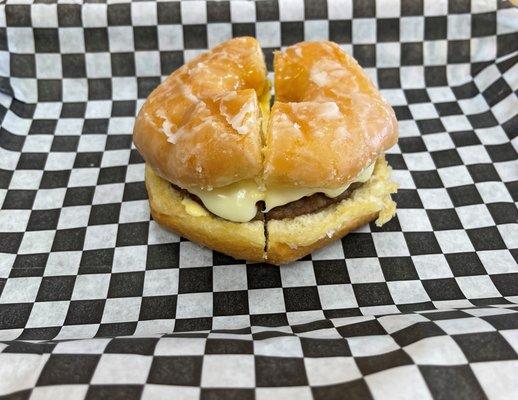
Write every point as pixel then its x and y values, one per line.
pixel 234 202
pixel 237 202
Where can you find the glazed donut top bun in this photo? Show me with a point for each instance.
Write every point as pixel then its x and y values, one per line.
pixel 208 127
pixel 328 121
pixel 201 127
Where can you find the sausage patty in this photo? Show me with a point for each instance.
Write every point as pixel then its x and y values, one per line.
pixel 310 204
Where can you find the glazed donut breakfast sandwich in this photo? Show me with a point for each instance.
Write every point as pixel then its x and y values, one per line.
pixel 261 183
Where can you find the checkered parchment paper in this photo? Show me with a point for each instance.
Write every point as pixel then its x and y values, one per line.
pixel 99 302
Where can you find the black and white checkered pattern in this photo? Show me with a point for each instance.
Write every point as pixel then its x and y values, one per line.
pixel 97 301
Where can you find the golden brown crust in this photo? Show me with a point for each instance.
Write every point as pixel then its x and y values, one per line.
pixel 239 240
pixel 288 239
pixel 281 253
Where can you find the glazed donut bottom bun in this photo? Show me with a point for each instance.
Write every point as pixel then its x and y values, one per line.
pixel 274 241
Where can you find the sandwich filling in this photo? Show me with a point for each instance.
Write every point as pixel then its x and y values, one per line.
pixel 238 202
